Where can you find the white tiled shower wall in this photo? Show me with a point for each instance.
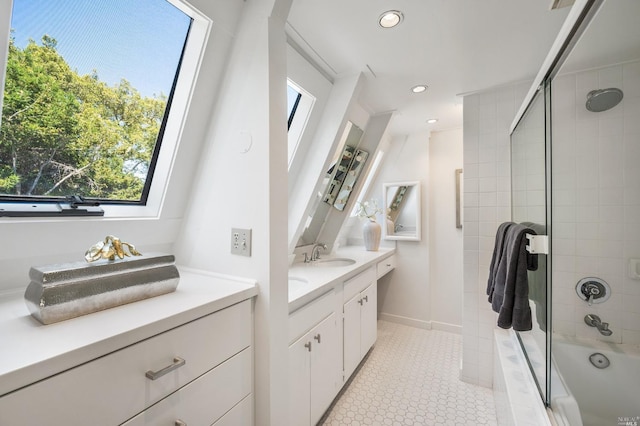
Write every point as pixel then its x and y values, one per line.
pixel 596 201
pixel 596 206
pixel 487 200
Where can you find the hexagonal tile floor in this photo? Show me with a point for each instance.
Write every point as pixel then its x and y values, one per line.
pixel 411 378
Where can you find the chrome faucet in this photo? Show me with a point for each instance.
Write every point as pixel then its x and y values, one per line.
pixel 315 251
pixel 594 321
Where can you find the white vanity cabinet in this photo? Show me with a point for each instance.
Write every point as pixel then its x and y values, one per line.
pixel 192 366
pixel 314 361
pixel 360 318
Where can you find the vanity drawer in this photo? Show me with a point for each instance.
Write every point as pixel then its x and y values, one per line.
pixel 113 388
pixel 307 317
pixel 206 399
pixel 358 283
pixel 241 414
pixel 386 265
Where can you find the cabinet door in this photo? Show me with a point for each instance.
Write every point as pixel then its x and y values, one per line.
pixel 325 364
pixel 351 337
pixel 369 318
pixel 300 380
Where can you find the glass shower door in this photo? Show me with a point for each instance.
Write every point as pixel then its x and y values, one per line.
pixel 529 207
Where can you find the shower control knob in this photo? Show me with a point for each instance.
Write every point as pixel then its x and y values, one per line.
pixel 593 290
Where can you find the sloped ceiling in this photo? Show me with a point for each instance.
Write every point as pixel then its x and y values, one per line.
pixel 453 46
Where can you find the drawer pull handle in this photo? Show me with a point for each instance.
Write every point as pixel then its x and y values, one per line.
pixel 366 299
pixel 317 337
pixel 360 302
pixel 180 423
pixel 388 265
pixel 177 363
pixel 308 346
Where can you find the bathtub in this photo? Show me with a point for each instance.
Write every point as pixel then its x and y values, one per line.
pixel 582 394
pixel 514 389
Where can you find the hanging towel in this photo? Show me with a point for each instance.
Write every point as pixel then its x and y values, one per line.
pixel 538 280
pixel 498 251
pixel 511 289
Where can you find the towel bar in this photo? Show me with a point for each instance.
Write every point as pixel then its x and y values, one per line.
pixel 538 244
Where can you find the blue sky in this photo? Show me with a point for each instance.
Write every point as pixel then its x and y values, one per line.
pixel 139 40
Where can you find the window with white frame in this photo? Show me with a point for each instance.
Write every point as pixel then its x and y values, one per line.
pixel 299 105
pixel 87 98
pixel 293 99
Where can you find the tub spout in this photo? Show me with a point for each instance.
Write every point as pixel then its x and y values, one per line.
pixel 595 321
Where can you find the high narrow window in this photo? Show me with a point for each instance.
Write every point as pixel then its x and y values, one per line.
pixel 299 106
pixel 293 99
pixel 88 87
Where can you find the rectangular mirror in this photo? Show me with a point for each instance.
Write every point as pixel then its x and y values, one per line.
pixel 350 178
pixel 338 173
pixel 345 165
pixel 402 204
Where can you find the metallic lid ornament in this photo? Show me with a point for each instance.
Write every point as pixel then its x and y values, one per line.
pixel 109 249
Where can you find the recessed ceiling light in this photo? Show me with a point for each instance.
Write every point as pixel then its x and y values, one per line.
pixel 419 88
pixel 432 120
pixel 390 19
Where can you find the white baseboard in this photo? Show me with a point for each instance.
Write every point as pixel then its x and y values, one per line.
pixel 444 326
pixel 425 325
pixel 412 322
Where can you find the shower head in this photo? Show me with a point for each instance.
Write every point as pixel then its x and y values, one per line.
pixel 603 99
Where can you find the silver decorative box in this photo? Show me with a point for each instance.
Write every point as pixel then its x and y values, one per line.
pixel 63 291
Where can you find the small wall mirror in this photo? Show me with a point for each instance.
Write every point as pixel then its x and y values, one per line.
pixel 402 203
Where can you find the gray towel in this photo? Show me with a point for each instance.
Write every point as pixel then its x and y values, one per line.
pixel 511 289
pixel 498 251
pixel 538 280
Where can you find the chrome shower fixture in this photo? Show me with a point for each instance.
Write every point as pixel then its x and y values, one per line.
pixel 594 321
pixel 603 99
pixel 593 290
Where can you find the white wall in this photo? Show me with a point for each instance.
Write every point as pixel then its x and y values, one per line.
pixel 487 118
pixel 596 201
pixel 445 240
pixel 425 289
pixel 244 185
pixel 403 295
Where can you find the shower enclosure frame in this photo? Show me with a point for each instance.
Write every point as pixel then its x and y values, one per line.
pixel 543 95
pixel 576 23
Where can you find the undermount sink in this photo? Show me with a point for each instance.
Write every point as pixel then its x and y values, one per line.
pixel 296 283
pixel 332 262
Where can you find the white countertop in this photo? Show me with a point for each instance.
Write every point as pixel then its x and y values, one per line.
pixel 30 351
pixel 320 279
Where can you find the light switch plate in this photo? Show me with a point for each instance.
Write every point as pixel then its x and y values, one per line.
pixel 241 241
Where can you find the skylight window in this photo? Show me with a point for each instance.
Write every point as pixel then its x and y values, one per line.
pixel 293 99
pixel 299 106
pixel 88 89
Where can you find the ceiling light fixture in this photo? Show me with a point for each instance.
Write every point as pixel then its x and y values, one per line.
pixel 419 88
pixel 390 19
pixel 432 120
